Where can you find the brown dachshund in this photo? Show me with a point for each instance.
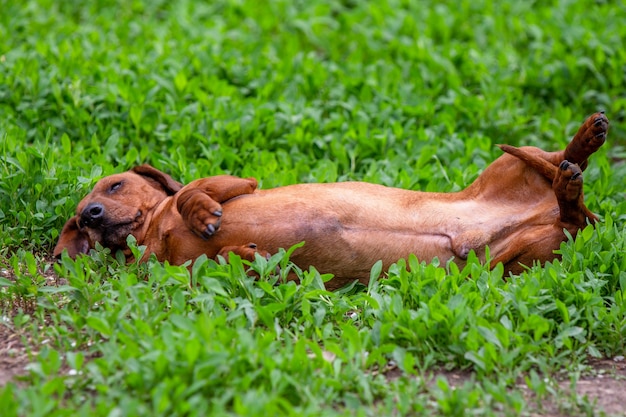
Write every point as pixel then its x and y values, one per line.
pixel 519 207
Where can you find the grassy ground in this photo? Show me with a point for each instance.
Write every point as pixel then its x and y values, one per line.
pixel 409 94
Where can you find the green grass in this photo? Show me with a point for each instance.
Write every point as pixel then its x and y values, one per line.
pixel 408 94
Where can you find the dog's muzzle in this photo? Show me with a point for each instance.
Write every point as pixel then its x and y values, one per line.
pixel 92 215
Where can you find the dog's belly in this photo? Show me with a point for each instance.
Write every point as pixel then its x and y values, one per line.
pixel 347 227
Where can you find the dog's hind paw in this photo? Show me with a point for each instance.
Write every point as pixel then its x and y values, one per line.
pixel 568 183
pixel 591 135
pixel 247 252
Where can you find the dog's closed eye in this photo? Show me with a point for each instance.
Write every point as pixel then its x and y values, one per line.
pixel 114 187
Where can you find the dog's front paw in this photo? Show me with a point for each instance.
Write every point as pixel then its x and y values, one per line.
pixel 200 212
pixel 205 223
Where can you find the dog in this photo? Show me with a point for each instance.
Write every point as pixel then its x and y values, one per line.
pixel 519 207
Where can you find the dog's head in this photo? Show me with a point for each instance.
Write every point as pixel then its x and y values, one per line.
pixel 117 206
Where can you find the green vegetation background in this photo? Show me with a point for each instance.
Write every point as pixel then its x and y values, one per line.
pixel 412 94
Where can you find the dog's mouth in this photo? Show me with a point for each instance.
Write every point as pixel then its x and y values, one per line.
pixel 106 224
pixel 109 233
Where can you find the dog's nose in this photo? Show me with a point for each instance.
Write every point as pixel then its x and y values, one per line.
pixel 92 215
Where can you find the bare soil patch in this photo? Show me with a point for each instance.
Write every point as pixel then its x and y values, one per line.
pixel 13 354
pixel 606 385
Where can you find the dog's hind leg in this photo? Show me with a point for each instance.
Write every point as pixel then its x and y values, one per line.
pixel 568 188
pixel 539 243
pixel 590 136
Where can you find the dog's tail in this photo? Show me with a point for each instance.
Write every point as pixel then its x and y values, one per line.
pixel 542 166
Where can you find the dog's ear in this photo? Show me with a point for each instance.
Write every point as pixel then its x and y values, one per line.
pixel 166 182
pixel 72 239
